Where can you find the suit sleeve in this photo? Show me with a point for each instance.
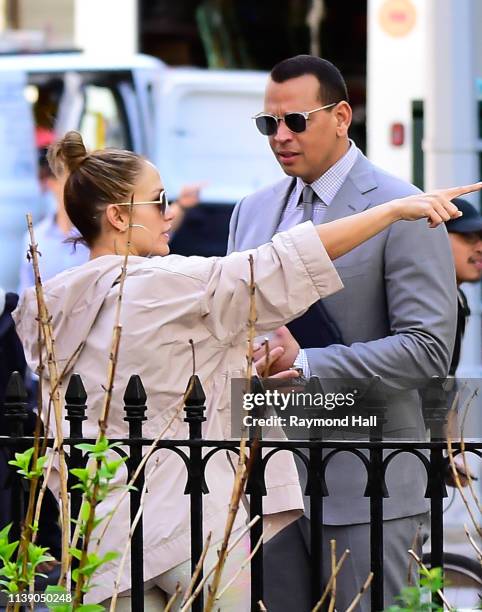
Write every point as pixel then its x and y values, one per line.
pixel 421 307
pixel 233 224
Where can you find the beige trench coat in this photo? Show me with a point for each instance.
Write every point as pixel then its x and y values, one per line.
pixel 166 302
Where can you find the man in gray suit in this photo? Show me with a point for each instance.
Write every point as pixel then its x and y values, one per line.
pixel 395 317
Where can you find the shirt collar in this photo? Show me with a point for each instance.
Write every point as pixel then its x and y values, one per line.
pixel 327 186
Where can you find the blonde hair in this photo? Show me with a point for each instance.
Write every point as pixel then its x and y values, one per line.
pixel 93 180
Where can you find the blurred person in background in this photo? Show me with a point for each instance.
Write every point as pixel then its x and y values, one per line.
pixel 50 233
pixel 465 235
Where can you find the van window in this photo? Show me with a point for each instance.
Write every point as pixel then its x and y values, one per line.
pixel 102 122
pixel 101 116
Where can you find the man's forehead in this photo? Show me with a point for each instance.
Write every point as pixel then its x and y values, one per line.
pixel 299 90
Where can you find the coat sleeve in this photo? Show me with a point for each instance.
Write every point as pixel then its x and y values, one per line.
pixel 421 306
pixel 290 273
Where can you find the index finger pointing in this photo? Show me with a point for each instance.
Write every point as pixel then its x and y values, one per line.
pixel 455 192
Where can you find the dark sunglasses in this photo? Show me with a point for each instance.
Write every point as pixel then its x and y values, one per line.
pixel 296 122
pixel 162 203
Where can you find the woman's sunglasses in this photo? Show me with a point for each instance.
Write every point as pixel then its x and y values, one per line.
pixel 162 203
pixel 296 122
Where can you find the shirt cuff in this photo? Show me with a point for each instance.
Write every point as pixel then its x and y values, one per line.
pixel 301 361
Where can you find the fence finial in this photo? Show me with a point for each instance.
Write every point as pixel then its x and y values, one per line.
pixel 194 407
pixel 135 400
pixel 75 403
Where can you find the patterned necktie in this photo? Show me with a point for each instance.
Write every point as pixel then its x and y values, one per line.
pixel 306 200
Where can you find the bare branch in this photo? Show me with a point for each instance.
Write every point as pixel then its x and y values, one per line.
pixel 458 484
pixel 197 569
pixel 331 606
pixel 468 473
pixel 473 544
pixel 200 586
pixel 117 581
pixel 426 571
pixel 330 581
pixel 173 598
pixel 49 342
pixel 240 569
pixel 416 539
pixel 359 595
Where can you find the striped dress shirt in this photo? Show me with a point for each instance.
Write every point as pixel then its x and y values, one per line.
pixel 326 187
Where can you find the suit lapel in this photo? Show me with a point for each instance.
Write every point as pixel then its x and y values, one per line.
pixel 271 212
pixel 354 194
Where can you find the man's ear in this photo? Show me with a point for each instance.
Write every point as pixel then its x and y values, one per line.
pixel 343 114
pixel 116 217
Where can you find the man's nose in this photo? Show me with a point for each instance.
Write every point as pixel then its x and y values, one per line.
pixel 283 134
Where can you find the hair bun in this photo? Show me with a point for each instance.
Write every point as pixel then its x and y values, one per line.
pixel 67 154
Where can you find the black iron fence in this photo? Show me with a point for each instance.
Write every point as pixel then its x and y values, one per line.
pixel 375 454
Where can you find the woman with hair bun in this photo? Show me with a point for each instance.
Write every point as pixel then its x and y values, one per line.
pixel 167 301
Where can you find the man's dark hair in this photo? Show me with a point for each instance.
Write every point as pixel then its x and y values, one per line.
pixel 332 84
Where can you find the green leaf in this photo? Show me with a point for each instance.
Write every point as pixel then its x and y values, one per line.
pixel 7 550
pixel 110 556
pixel 433 579
pixel 12 586
pixel 84 511
pixel 36 554
pixel 81 473
pixel 91 608
pixel 114 465
pixel 41 461
pixel 88 448
pixel 58 606
pixel 22 460
pixel 75 552
pixel 79 486
pixel 5 531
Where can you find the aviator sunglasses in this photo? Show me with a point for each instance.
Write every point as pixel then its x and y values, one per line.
pixel 296 122
pixel 162 203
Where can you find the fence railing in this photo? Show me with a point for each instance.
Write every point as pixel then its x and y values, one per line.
pixel 375 454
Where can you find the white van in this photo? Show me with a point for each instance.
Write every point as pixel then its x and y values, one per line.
pixel 194 124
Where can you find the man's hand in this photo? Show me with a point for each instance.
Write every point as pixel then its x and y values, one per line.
pixel 188 198
pixel 190 194
pixel 273 356
pixel 281 360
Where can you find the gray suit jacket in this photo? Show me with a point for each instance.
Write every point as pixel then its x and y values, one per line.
pixel 397 317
